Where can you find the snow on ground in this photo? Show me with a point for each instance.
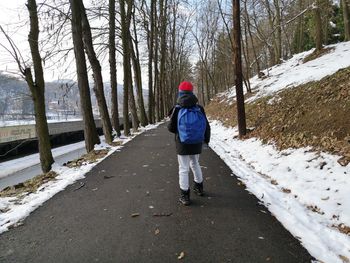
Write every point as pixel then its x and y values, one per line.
pixel 14 209
pixel 307 192
pixel 294 72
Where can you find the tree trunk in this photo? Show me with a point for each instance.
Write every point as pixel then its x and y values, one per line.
pixel 113 69
pixel 135 57
pixel 318 26
pixel 251 38
pixel 125 31
pixel 346 17
pixel 279 32
pixel 300 37
pixel 134 117
pixel 156 75
pixel 238 68
pixel 163 54
pixel 97 75
pixel 272 50
pixel 150 64
pixel 202 83
pixel 90 132
pixel 247 60
pixel 37 89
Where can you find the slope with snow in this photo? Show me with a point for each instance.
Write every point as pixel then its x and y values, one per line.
pixel 307 191
pixel 294 72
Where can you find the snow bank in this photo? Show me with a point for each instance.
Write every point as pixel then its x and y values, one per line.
pixel 306 191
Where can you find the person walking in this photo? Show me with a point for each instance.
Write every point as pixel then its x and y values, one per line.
pixel 191 127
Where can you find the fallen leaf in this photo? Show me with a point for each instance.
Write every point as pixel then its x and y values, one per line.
pixel 285 190
pixel 157 231
pixel 135 214
pixel 81 185
pixel 274 182
pixel 181 256
pixel 20 223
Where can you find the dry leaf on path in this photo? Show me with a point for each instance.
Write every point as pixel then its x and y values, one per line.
pixel 81 185
pixel 181 256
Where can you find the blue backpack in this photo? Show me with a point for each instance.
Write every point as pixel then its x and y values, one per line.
pixel 191 125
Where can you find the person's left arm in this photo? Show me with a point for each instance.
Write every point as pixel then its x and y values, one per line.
pixel 172 125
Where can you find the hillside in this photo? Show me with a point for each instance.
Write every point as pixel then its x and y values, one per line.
pixel 295 157
pixel 312 114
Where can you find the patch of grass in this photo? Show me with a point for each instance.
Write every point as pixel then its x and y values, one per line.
pixel 90 157
pixel 343 229
pixel 29 186
pixel 314 114
pixel 317 54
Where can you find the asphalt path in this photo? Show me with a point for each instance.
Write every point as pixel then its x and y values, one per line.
pixel 135 216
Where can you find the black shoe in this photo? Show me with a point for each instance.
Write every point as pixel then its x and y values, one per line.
pixel 198 188
pixel 185 197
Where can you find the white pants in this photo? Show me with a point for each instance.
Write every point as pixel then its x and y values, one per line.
pixel 185 162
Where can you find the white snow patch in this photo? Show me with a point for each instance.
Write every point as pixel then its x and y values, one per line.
pixel 294 72
pixel 299 171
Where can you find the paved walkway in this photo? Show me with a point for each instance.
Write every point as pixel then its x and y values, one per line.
pixel 94 223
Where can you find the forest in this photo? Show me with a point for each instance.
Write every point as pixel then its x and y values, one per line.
pixel 156 45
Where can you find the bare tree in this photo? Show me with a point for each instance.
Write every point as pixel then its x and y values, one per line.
pixel 37 88
pixel 113 68
pixel 90 132
pixel 238 67
pixel 204 36
pixel 36 84
pixel 125 16
pixel 97 75
pixel 135 58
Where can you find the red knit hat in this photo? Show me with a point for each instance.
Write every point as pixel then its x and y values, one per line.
pixel 186 86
